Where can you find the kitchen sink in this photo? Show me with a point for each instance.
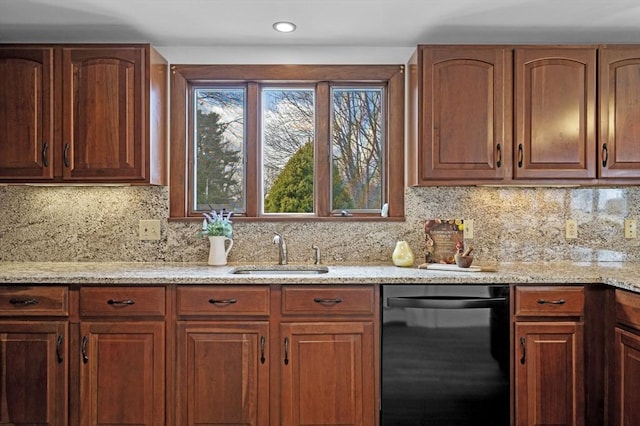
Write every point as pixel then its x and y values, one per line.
pixel 280 270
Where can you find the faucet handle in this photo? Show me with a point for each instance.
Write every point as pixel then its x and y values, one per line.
pixel 317 260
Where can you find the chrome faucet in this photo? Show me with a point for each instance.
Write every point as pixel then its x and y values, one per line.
pixel 282 249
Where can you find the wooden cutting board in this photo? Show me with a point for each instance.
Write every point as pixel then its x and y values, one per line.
pixel 450 267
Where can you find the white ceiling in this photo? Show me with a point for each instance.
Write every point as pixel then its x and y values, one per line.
pixel 382 23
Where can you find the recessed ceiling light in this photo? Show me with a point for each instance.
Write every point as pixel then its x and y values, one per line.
pixel 284 26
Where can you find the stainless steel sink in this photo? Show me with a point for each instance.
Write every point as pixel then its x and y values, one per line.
pixel 280 270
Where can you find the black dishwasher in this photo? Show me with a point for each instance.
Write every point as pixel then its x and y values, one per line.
pixel 445 355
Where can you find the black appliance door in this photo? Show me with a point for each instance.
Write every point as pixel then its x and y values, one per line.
pixel 445 357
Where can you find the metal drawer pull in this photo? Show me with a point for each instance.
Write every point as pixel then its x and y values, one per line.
pixel 85 357
pixel 524 351
pixel 551 302
pixel 327 301
pixel 25 302
pixel 222 301
pixel 605 154
pixel 59 349
pixel 286 351
pixel 520 156
pixel 263 342
pixel 121 302
pixel 499 163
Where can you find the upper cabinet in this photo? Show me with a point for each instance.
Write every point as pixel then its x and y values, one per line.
pixel 525 114
pixel 554 121
pixel 619 94
pixel 83 113
pixel 461 98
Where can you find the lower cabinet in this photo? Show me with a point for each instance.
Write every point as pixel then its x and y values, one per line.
pixel 625 375
pixel 549 356
pixel 122 346
pixel 285 355
pixel 34 355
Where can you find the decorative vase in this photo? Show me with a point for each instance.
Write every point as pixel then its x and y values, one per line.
pixel 402 254
pixel 218 250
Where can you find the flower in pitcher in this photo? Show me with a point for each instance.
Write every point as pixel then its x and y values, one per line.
pixel 217 224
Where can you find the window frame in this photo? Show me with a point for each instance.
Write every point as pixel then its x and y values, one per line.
pixel 184 77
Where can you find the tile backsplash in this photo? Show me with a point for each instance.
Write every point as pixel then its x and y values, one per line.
pixel 100 223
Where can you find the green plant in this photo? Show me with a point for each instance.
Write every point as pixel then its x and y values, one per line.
pixel 217 224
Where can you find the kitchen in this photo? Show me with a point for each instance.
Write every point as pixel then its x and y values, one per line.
pixel 512 223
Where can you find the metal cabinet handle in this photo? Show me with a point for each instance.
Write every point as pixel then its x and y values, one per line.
pixel 286 351
pixel 222 301
pixel 23 302
pixel 65 155
pixel 59 353
pixel 121 302
pixel 524 351
pixel 45 159
pixel 85 342
pixel 263 342
pixel 605 154
pixel 499 148
pixel 327 301
pixel 551 302
pixel 520 155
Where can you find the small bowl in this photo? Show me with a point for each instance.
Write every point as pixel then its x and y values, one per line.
pixel 463 261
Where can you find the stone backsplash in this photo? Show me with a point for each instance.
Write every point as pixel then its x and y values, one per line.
pixel 100 223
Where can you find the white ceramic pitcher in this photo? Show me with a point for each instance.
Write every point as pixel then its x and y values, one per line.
pixel 217 250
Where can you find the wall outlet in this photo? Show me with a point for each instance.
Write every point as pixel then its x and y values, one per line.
pixel 570 229
pixel 149 229
pixel 468 229
pixel 630 230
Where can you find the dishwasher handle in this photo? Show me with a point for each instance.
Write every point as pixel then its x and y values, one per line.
pixel 446 302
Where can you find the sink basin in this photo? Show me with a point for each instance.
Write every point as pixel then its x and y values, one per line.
pixel 280 270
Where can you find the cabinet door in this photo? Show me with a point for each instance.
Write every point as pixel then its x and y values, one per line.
pixel 626 376
pixel 465 101
pixel 555 113
pixel 549 369
pixel 33 373
pixel 26 113
pixel 327 374
pixel 103 113
pixel 122 373
pixel 223 373
pixel 619 85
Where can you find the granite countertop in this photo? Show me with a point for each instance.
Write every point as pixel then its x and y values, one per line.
pixel 624 275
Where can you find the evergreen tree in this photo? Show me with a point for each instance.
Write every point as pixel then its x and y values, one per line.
pixel 217 179
pixel 292 189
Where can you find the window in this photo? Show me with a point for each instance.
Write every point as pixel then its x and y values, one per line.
pixel 301 142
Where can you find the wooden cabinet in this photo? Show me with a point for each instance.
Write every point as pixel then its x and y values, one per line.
pixel 525 114
pixel 555 112
pixel 34 356
pixel 327 360
pixel 222 371
pixel 26 113
pixel 619 91
pixel 122 356
pixel 549 355
pixel 625 374
pixel 461 103
pixel 110 120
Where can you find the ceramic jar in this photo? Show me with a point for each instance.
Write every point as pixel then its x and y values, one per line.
pixel 402 254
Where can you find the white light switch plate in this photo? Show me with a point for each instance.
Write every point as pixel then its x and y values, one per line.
pixel 468 229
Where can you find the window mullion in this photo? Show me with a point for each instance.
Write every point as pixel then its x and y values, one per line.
pixel 322 156
pixel 253 159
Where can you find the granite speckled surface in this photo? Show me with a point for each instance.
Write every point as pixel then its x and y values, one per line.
pixel 100 224
pixel 621 275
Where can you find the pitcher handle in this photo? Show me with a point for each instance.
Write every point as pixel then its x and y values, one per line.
pixel 226 253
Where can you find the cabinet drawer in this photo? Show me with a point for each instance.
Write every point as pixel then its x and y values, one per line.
pixel 549 301
pixel 34 301
pixel 122 301
pixel 628 308
pixel 328 300
pixel 223 300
